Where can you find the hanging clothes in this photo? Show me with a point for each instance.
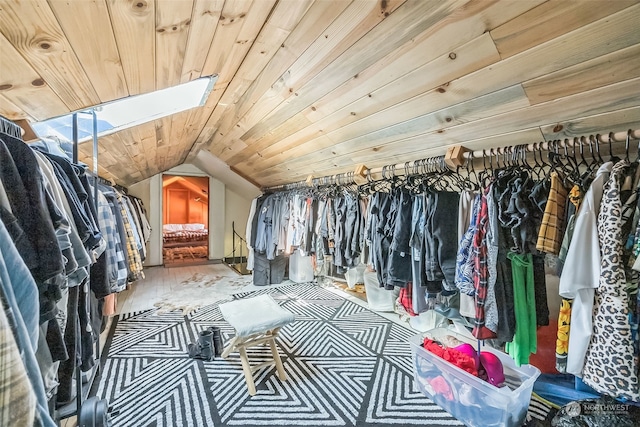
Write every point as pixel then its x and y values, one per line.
pixel 520 207
pixel 297 223
pixel 19 294
pixel 380 236
pixel 610 366
pixel 74 182
pixel 16 393
pixel 119 238
pixel 276 228
pixel 78 260
pixel 465 212
pixel 492 237
pixel 504 290
pixel 553 222
pixel 441 209
pixel 525 339
pixel 564 317
pixel 49 242
pixel 581 272
pixel 399 265
pixel 136 226
pixel 135 263
pixel 346 209
pixel 574 200
pixel 419 301
pixel 481 271
pixel 464 260
pixel 104 273
pixel 27 202
pixel 248 234
pixel 266 228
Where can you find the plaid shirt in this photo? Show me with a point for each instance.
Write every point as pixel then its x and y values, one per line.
pixel 16 393
pixel 121 255
pixel 481 272
pixel 115 259
pixel 135 263
pixel 553 222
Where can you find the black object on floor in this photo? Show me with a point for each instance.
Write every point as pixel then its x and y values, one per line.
pixel 218 344
pixel 204 348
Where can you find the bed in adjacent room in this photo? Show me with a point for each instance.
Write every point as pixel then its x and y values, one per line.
pixel 177 235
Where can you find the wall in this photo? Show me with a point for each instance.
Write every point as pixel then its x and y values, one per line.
pixel 150 192
pixel 185 200
pixel 153 205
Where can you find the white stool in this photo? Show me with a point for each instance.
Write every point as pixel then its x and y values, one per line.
pixel 256 321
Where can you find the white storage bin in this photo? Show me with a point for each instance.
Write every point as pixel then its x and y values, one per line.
pixel 468 398
pixel 300 268
pixel 379 299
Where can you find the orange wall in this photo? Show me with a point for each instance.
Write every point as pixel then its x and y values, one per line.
pixel 181 206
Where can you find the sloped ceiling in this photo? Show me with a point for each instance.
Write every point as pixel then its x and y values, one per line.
pixel 317 87
pixel 190 183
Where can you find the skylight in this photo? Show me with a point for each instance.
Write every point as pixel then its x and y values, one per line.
pixel 131 111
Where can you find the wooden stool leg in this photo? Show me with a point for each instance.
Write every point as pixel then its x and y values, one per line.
pixel 246 368
pixel 276 357
pixel 230 347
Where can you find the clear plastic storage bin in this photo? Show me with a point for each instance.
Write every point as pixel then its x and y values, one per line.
pixel 470 399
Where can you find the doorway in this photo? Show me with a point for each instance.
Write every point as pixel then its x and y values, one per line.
pixel 185 220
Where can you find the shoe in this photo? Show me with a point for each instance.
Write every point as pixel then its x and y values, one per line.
pixel 203 349
pixel 217 340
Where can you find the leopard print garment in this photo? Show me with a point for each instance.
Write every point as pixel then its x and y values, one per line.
pixel 609 366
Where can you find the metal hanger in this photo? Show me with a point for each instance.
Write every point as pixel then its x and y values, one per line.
pixel 612 157
pixel 596 140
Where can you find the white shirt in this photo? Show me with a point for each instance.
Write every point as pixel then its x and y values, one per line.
pixel 247 234
pixel 581 272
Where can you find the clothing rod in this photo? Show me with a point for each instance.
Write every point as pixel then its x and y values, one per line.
pixel 399 169
pixel 538 146
pixel 566 142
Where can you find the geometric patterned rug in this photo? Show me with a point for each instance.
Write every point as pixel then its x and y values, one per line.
pixel 345 365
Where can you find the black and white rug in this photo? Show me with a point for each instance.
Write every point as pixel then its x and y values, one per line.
pixel 346 366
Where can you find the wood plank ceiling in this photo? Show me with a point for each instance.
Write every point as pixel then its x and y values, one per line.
pixel 320 86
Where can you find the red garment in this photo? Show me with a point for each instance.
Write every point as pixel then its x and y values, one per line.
pixel 406 299
pixel 451 355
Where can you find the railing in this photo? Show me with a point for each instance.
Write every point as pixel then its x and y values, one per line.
pixel 243 242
